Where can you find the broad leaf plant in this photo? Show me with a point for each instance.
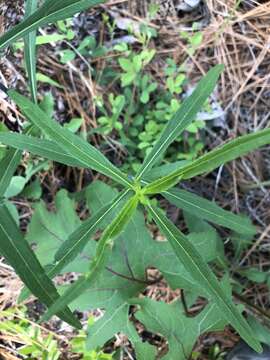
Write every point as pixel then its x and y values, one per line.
pixel 122 218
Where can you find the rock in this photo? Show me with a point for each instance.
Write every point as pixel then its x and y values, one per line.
pixel 243 352
pixel 187 5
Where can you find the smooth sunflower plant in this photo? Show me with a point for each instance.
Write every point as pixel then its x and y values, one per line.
pixel 62 146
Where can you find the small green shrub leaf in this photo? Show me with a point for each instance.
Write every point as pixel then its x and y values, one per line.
pixel 21 257
pixel 183 117
pixel 208 162
pixel 200 271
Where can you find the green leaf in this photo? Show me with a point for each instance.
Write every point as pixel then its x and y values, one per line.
pixel 114 321
pixel 97 195
pixel 212 160
pixel 79 238
pixel 254 274
pixel 47 80
pixel 193 262
pixel 212 240
pixel 41 147
pixel 30 51
pixel 72 237
pixel 51 11
pixel 96 266
pixel 8 166
pixel 157 172
pixel 16 186
pixel 49 230
pixel 124 276
pixel 183 117
pixel 170 321
pixel 209 211
pixel 261 332
pixel 21 257
pixel 71 143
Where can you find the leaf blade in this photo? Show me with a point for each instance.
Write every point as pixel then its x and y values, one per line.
pixel 50 11
pixel 77 240
pixel 21 257
pixel 212 160
pixel 193 262
pixel 71 143
pixel 8 166
pixel 102 252
pixel 208 210
pixel 41 147
pixel 184 116
pixel 30 51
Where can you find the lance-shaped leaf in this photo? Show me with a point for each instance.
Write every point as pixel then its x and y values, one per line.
pixel 78 239
pixel 183 117
pixel 8 166
pixel 202 274
pixel 21 257
pixel 51 11
pixel 208 210
pixel 97 265
pixel 41 147
pixel 30 51
pixel 71 143
pixel 212 160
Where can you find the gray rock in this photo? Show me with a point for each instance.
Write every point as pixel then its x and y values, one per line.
pixel 244 352
pixel 187 5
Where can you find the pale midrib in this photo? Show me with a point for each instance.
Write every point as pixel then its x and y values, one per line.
pixel 89 230
pixel 67 297
pixel 220 152
pixel 170 136
pixel 96 262
pixel 109 319
pixel 26 264
pixel 129 207
pixel 32 63
pixel 204 277
pixel 3 178
pixel 35 24
pixel 200 162
pixel 71 144
pixel 38 147
pixel 204 209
